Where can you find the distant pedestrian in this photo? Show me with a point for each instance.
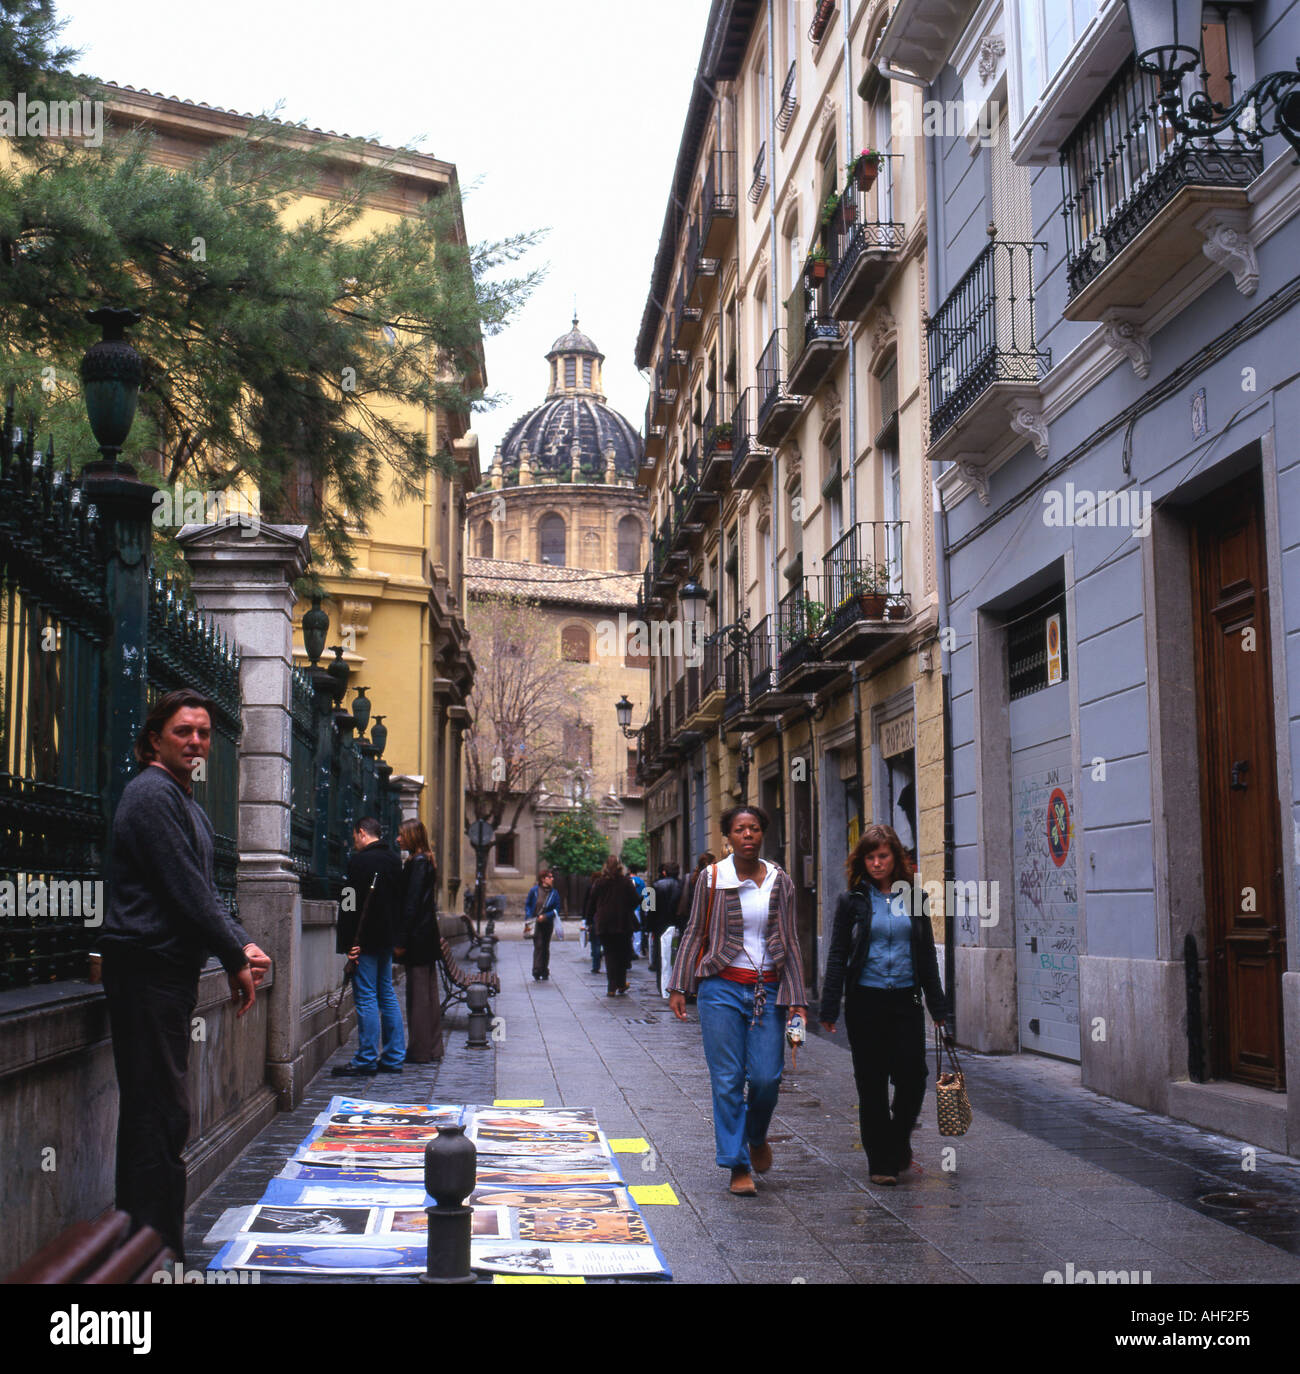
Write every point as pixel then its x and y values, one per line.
pixel 164 917
pixel 419 945
pixel 541 907
pixel 882 949
pixel 367 932
pixel 641 935
pixel 668 892
pixel 742 945
pixel 611 909
pixel 593 935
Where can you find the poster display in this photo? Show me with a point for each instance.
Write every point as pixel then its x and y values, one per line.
pixel 549 1198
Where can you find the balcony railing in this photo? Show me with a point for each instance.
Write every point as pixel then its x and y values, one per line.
pixel 862 578
pixel 813 337
pixel 735 668
pixel 711 676
pixel 686 317
pixel 984 333
pixel 821 21
pixel 789 99
pixel 759 182
pixel 655 433
pixel 864 244
pixel 718 445
pixel 762 658
pixel 1123 164
pixel 777 408
pixel 718 202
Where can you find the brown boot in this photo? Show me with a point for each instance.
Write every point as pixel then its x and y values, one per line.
pixel 742 1182
pixel 760 1156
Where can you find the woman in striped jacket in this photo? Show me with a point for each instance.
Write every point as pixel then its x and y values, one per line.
pixel 740 952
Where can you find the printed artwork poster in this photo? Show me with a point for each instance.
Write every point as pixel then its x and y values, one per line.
pixel 376 1172
pixel 323 1152
pixel 579 1261
pixel 506 1172
pixel 366 1130
pixel 588 1228
pixel 531 1137
pixel 445 1111
pixel 259 1253
pixel 286 1192
pixel 535 1119
pixel 323 1220
pixel 534 1148
pixel 585 1199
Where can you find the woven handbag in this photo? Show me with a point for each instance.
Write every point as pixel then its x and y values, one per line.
pixel 950 1090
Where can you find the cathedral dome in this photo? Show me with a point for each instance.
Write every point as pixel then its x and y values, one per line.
pixel 573 435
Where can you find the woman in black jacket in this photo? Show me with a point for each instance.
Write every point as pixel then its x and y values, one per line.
pixel 611 912
pixel 418 945
pixel 882 947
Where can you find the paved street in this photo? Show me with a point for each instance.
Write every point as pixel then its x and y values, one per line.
pixel 1049 1174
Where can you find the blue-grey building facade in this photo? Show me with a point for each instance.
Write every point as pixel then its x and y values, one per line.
pixel 1113 360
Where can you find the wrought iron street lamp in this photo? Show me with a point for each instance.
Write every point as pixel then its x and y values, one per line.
pixel 1167 40
pixel 623 710
pixel 692 597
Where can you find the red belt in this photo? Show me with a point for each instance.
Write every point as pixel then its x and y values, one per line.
pixel 748 975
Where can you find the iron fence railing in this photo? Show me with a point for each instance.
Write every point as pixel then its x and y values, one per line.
pixel 771 379
pixel 866 561
pixel 758 183
pixel 1123 162
pixel 789 98
pixel 865 222
pixel 762 657
pixel 984 332
pixel 743 422
pixel 718 199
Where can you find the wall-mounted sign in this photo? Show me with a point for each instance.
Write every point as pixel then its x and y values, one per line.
pixel 897 736
pixel 1053 648
pixel 663 801
pixel 1058 827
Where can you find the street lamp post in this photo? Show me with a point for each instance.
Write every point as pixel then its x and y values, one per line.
pixel 1167 40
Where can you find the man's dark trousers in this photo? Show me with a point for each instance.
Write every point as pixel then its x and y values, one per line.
pixel 886 1030
pixel 542 932
pixel 150 1004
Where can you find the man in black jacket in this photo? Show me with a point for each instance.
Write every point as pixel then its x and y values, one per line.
pixel 369 911
pixel 668 891
pixel 164 916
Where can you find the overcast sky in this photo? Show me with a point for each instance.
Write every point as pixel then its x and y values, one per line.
pixel 566 113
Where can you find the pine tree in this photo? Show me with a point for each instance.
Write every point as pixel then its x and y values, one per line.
pixel 280 352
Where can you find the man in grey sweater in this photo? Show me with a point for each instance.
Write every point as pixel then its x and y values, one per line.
pixel 164 918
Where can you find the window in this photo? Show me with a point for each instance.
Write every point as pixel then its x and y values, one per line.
pixel 888 380
pixel 485 539
pixel 893 503
pixel 636 660
pixel 555 376
pixel 575 644
pixel 732 611
pixel 765 562
pixel 586 372
pixel 505 855
pixel 1036 644
pixel 577 743
pixel 629 544
pixel 1048 30
pixel 795 570
pixel 550 540
pixel 570 372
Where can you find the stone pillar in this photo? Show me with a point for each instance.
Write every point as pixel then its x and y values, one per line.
pixel 409 787
pixel 243 576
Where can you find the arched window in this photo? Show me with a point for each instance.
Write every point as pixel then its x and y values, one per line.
pixel 485 539
pixel 570 372
pixel 575 644
pixel 586 372
pixel 550 540
pixel 629 544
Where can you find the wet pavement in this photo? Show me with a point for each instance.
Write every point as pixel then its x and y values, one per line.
pixel 1049 1175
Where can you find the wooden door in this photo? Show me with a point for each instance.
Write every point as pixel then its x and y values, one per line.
pixel 1241 834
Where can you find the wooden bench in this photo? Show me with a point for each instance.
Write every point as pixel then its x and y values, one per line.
pixel 99 1251
pixel 456 981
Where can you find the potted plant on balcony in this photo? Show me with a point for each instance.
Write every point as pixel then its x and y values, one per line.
pixel 821 20
pixel 719 437
pixel 868 582
pixel 848 210
pixel 829 206
pixel 865 168
pixel 896 608
pixel 817 266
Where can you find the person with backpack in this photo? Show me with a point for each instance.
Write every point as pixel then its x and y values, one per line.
pixel 419 945
pixel 542 908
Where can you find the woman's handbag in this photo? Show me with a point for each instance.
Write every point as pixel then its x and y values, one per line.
pixel 950 1090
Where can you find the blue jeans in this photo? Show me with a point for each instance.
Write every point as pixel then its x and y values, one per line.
pixel 377 1011
pixel 736 1051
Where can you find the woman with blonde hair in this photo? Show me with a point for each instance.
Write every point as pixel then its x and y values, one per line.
pixel 418 945
pixel 882 950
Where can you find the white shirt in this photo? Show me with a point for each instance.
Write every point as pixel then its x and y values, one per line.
pixel 755 908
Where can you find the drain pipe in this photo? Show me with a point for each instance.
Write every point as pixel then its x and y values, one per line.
pixel 853 343
pixel 949 848
pixel 769 134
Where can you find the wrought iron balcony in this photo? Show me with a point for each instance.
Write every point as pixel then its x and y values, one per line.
pixel 759 182
pixel 717 449
pixel 718 203
pixel 821 21
pixel 800 626
pixel 789 99
pixel 983 350
pixel 777 408
pixel 686 318
pixel 765 696
pixel 1134 191
pixel 735 672
pixel 866 244
pixel 701 270
pixel 748 456
pixel 866 601
pixel 664 397
pixel 655 437
pixel 813 337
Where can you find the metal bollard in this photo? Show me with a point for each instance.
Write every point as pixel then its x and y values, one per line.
pixel 450 1170
pixel 480 1016
pixel 484 960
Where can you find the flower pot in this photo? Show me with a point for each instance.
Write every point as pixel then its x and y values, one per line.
pixel 866 175
pixel 896 610
pixel 873 604
pixel 722 445
pixel 817 270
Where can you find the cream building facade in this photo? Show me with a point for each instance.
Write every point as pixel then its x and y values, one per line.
pixel 785 457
